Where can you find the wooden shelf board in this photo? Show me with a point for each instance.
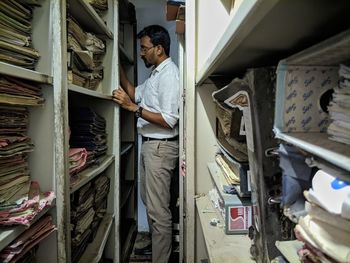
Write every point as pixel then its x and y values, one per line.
pixel 19 72
pixel 221 247
pixel 125 193
pixel 88 92
pixel 318 144
pixel 90 173
pixel 94 250
pixel 10 233
pixel 258 34
pixel 126 147
pixel 87 17
pixel 217 176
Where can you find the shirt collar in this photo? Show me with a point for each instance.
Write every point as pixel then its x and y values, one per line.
pixel 161 65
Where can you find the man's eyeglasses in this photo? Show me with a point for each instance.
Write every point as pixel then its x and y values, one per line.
pixel 145 49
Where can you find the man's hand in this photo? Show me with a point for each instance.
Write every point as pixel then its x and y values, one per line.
pixel 119 96
pixel 126 84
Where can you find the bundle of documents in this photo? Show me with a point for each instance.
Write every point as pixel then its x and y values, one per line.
pixel 339 108
pixel 13 120
pixel 88 141
pixel 88 131
pixel 230 176
pixel 16 92
pixel 85 54
pixel 101 187
pixel 25 245
pixel 88 205
pixel 29 207
pixel 15 33
pixel 14 179
pixel 76 35
pixel 325 230
pixel 77 159
pixel 14 149
pixel 99 5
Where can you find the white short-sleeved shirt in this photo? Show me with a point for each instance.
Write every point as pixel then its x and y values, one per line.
pixel 160 93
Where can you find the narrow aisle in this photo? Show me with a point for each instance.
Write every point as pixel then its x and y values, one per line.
pixel 142 249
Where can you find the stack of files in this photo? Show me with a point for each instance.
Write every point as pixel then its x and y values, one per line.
pixel 30 256
pixel 325 230
pixel 230 177
pixel 14 149
pixel 76 35
pixel 83 221
pixel 16 92
pixel 82 215
pixel 88 130
pixel 94 44
pixel 22 247
pixel 99 5
pixel 85 69
pixel 15 34
pixel 82 200
pixel 14 171
pixel 85 54
pixel 339 108
pixel 89 206
pixel 96 48
pixel 101 186
pixel 13 120
pixel 235 174
pixel 100 213
pixel 20 199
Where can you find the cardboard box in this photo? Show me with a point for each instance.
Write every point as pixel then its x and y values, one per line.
pixel 180 27
pixel 172 8
pixel 239 218
pixel 171 12
pixel 299 92
pixel 237 214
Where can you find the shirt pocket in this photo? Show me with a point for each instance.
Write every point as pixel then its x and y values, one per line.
pixel 151 95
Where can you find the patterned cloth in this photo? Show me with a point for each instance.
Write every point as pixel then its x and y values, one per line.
pixel 25 212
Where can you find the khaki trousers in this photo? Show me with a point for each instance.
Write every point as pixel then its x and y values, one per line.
pixel 158 164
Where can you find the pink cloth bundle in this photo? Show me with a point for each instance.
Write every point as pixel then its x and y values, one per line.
pixel 77 159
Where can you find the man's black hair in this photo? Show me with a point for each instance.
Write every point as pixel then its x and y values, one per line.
pixel 158 35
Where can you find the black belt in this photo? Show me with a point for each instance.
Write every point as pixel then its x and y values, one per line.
pixel 145 139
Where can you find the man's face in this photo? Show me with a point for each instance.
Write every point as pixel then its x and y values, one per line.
pixel 147 51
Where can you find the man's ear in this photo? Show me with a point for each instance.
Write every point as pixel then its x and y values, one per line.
pixel 160 50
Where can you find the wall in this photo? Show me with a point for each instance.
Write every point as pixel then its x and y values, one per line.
pixel 151 12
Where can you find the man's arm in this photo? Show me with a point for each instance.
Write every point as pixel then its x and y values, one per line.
pixel 126 84
pixel 122 98
pixel 155 118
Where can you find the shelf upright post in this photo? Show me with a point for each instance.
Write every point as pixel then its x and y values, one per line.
pixel 59 73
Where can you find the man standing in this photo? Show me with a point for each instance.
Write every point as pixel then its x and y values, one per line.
pixel 156 105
